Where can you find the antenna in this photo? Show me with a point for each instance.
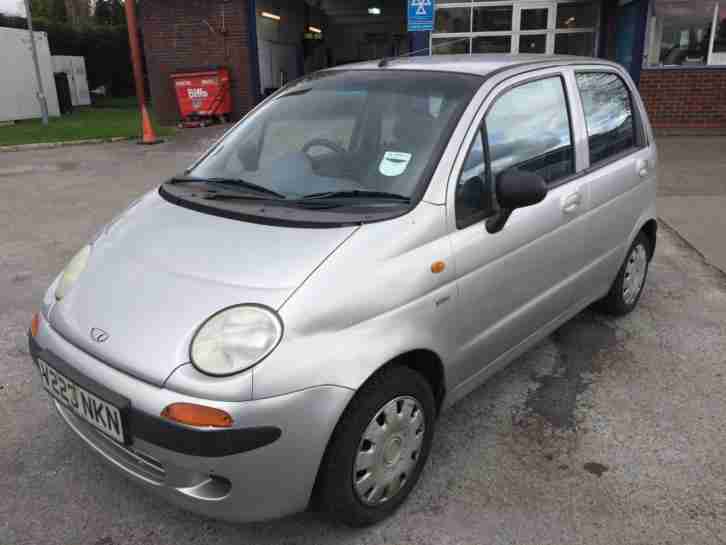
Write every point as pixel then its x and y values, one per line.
pixel 386 61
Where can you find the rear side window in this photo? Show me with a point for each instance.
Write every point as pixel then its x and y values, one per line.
pixel 528 128
pixel 608 113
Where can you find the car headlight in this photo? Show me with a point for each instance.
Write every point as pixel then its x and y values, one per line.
pixel 72 271
pixel 235 339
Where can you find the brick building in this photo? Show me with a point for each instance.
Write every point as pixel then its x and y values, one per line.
pixel 675 49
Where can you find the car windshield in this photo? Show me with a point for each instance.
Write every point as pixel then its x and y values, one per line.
pixel 356 135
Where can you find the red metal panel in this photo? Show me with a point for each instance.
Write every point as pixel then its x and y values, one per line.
pixel 203 94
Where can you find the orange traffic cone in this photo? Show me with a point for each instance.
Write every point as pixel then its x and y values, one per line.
pixel 148 136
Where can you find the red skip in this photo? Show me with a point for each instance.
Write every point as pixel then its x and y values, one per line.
pixel 203 96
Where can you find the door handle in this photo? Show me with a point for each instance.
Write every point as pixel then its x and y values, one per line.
pixel 642 167
pixel 571 203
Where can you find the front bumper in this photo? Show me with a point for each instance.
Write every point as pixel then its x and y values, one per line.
pixel 264 467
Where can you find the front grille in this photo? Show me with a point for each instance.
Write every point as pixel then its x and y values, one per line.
pixel 131 459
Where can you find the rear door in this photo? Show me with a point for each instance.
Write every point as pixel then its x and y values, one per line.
pixel 620 172
pixel 514 282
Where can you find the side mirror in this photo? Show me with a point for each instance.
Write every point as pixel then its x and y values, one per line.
pixel 519 188
pixel 516 189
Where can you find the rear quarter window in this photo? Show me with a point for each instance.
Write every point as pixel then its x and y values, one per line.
pixel 609 115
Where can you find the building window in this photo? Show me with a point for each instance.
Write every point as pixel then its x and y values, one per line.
pixel 576 15
pixel 534 19
pixel 491 44
pixel 567 27
pixel 449 46
pixel 719 44
pixel 574 43
pixel 686 33
pixel 492 18
pixel 453 20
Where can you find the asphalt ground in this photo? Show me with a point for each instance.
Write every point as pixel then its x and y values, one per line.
pixel 608 432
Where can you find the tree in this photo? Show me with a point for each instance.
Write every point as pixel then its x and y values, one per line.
pixel 40 8
pixel 109 12
pixel 51 10
pixel 57 11
pixel 77 11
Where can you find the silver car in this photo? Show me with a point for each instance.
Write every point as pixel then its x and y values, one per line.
pixel 280 326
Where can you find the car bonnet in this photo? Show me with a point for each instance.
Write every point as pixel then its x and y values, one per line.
pixel 159 271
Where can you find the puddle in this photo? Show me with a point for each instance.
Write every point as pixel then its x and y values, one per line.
pixel 595 468
pixel 580 344
pixel 545 435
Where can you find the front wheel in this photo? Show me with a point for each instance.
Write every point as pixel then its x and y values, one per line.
pixel 378 448
pixel 628 285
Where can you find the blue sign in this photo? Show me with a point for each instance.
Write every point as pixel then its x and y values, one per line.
pixel 420 15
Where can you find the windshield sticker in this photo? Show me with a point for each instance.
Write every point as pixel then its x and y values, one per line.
pixel 394 163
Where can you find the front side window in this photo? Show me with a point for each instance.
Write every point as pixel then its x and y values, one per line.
pixel 608 114
pixel 474 196
pixel 527 128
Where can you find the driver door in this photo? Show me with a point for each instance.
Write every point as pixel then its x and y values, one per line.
pixel 515 282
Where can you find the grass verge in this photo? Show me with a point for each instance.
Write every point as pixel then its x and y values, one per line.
pixel 84 123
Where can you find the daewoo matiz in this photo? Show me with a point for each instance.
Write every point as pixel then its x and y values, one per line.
pixel 280 326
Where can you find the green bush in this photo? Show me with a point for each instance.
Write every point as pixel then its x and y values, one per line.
pixel 105 48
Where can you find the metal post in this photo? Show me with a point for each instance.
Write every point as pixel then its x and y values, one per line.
pixel 130 6
pixel 147 130
pixel 39 93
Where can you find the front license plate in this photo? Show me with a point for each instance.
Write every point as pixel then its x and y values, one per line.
pixel 94 410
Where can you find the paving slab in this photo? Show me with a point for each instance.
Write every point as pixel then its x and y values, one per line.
pixel 701 221
pixel 692 192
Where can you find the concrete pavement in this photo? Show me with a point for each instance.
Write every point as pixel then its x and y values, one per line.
pixel 609 432
pixel 693 192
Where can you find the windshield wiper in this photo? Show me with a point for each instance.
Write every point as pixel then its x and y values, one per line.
pixel 358 194
pixel 231 183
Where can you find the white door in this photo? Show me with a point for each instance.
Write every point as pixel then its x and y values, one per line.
pixel 531 22
pixel 80 80
pixel 278 64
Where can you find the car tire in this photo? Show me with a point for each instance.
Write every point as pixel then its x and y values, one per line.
pixel 378 449
pixel 625 292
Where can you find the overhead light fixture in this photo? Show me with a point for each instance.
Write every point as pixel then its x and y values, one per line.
pixel 269 15
pixel 374 11
pixel 315 29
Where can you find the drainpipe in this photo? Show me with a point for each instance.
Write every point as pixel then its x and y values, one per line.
pixel 639 41
pixel 38 78
pixel 254 55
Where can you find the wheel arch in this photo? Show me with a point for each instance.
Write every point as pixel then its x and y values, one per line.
pixel 424 361
pixel 429 365
pixel 650 229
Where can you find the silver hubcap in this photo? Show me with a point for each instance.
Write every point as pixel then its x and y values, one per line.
pixel 389 450
pixel 634 274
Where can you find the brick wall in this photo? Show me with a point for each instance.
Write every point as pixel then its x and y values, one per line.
pixel 176 37
pixel 685 98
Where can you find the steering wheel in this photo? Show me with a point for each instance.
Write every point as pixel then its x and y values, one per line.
pixel 324 142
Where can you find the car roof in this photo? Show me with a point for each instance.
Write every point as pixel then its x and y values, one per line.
pixel 481 64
